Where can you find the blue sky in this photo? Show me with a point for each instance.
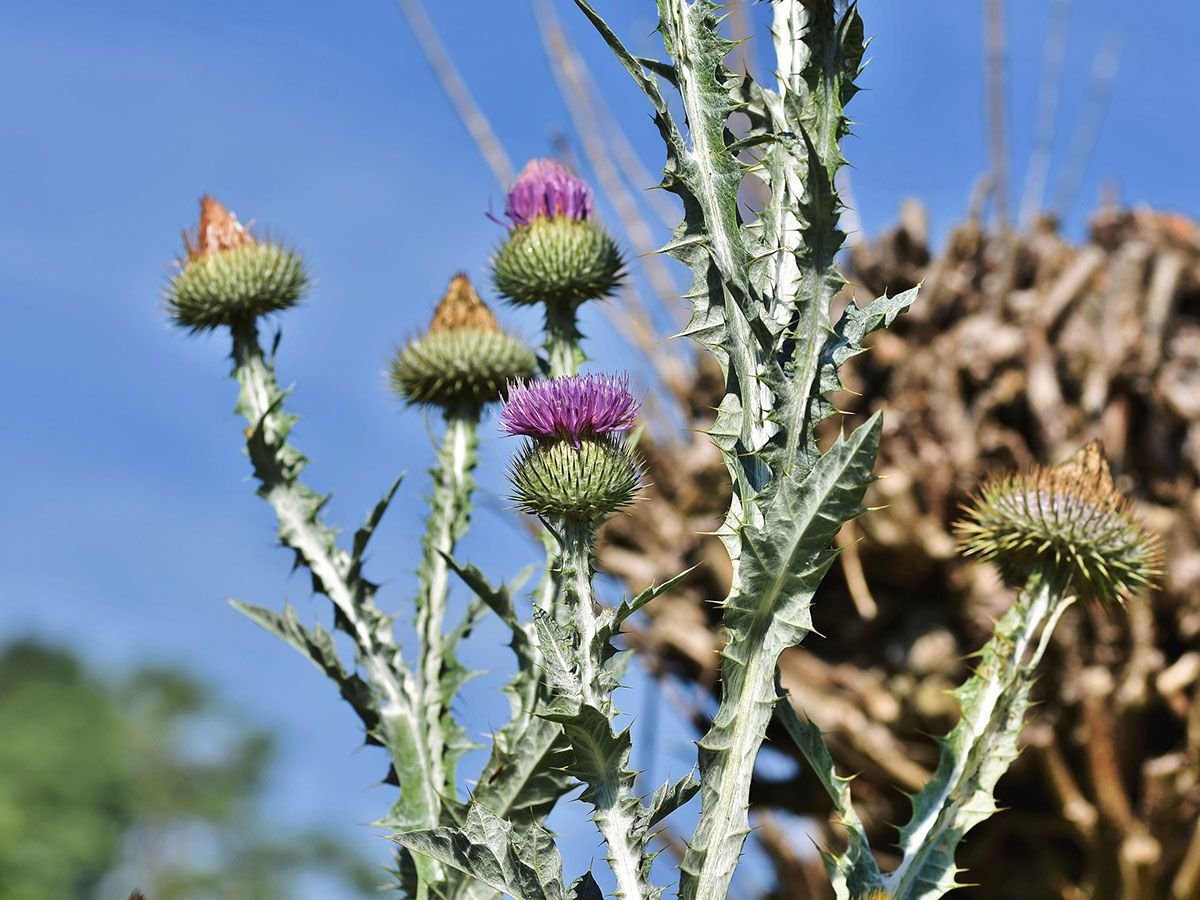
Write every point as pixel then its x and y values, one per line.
pixel 129 517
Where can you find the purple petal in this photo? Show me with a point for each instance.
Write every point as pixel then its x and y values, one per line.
pixel 547 188
pixel 574 408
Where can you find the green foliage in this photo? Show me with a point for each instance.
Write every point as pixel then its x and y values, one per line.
pixel 525 774
pixel 440 676
pixel 856 866
pixel 317 644
pixel 93 771
pixel 396 721
pixel 523 864
pixel 761 299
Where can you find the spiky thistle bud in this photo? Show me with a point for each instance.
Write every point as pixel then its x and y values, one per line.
pixel 229 276
pixel 1071 522
pixel 554 252
pixel 584 484
pixel 577 465
pixel 465 359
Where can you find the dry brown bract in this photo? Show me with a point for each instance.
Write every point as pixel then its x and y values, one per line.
pixel 219 229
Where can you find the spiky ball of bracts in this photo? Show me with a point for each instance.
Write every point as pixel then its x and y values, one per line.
pixel 555 252
pixel 558 481
pixel 1068 521
pixel 465 359
pixel 577 464
pixel 229 276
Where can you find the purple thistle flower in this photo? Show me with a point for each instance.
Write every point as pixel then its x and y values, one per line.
pixel 547 188
pixel 581 406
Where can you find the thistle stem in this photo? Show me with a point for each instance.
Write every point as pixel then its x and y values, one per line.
pixel 983 744
pixel 277 466
pixel 610 784
pixel 576 574
pixel 564 355
pixel 447 522
pixel 564 341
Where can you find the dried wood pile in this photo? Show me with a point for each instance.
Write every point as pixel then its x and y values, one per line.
pixel 1020 349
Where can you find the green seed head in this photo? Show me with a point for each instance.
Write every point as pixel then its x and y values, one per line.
pixel 229 276
pixel 1069 521
pixel 464 359
pixel 556 480
pixel 557 260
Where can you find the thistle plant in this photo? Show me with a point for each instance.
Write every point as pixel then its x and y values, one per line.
pixel 763 304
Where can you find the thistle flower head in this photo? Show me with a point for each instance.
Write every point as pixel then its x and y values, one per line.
pixel 228 276
pixel 1069 520
pixel 554 252
pixel 465 359
pixel 570 409
pixel 547 189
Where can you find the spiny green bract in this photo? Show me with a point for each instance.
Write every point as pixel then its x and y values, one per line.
pixel 225 287
pixel 556 480
pixel 1070 519
pixel 556 260
pixel 469 367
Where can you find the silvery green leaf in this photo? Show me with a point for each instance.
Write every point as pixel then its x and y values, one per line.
pixel 854 872
pixel 318 646
pixel 524 865
pixel 669 798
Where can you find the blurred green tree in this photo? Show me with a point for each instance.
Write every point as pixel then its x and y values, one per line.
pixel 144 782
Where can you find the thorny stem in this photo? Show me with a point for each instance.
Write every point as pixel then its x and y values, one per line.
pixel 576 573
pixel 449 515
pixel 563 346
pixel 564 355
pixel 611 790
pixel 1004 677
pixel 277 466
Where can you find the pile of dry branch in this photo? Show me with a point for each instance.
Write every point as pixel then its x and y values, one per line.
pixel 1019 350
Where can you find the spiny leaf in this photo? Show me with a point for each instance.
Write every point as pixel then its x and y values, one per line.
pixel 669 798
pixel 558 660
pixel 525 865
pixel 318 646
pixel 363 536
pixel 526 773
pixel 585 888
pixel 782 562
pixel 628 607
pixel 856 867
